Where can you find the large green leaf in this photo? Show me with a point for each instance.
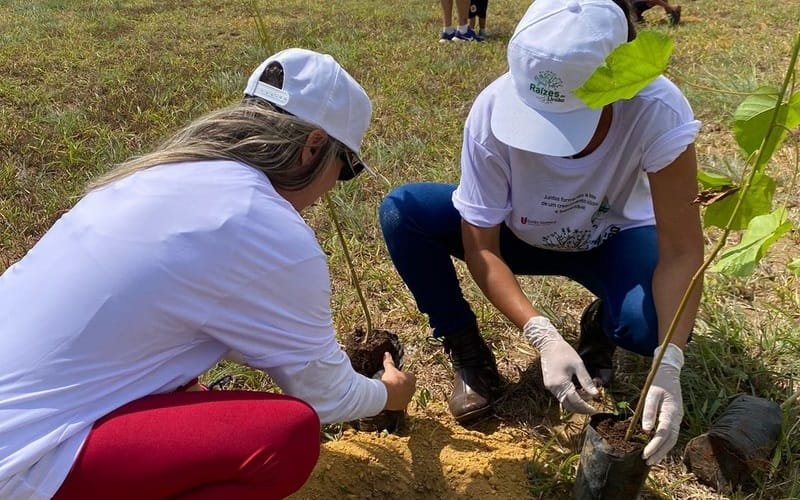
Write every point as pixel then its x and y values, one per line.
pixel 761 233
pixel 627 70
pixel 757 201
pixel 711 180
pixel 752 119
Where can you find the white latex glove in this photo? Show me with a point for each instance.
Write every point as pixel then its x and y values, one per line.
pixel 559 363
pixel 664 398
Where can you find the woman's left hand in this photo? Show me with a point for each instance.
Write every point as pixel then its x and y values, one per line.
pixel 664 399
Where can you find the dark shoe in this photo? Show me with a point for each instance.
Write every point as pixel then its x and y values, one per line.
pixel 595 348
pixel 476 376
pixel 467 36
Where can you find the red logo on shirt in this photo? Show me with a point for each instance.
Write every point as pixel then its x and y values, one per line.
pixel 524 220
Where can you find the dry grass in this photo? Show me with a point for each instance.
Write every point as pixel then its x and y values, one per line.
pixel 88 83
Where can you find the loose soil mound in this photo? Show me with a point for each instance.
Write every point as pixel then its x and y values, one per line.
pixel 433 459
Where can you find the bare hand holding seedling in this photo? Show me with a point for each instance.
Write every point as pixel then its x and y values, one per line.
pixel 400 386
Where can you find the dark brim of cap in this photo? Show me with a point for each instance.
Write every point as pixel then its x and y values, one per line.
pixel 553 134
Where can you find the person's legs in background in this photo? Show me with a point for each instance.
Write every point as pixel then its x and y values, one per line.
pixel 477 10
pixel 472 15
pixel 673 11
pixel 198 445
pixel 448 31
pixel 463 32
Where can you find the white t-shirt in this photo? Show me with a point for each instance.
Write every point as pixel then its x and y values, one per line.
pixel 573 204
pixel 144 285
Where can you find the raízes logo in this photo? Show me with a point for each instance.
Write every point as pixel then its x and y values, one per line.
pixel 545 85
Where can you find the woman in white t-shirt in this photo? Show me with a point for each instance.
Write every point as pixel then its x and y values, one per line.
pixel 168 263
pixel 551 187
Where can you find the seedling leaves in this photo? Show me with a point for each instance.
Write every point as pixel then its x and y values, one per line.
pixel 752 119
pixel 627 70
pixel 711 180
pixel 757 201
pixel 761 233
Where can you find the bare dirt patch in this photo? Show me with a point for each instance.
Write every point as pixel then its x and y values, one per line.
pixel 432 458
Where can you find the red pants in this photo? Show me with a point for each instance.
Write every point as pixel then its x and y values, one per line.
pixel 198 445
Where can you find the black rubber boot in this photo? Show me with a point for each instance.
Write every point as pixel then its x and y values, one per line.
pixel 595 348
pixel 476 376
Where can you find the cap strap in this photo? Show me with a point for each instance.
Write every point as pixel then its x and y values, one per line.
pixel 272 94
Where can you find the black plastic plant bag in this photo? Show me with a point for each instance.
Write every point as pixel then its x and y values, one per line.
pixel 740 441
pixel 605 473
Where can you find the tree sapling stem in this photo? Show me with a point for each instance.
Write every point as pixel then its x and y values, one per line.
pixel 353 275
pixel 756 167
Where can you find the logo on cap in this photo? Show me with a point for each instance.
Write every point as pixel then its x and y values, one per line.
pixel 546 85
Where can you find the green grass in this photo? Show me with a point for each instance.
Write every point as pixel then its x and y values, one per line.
pixel 87 83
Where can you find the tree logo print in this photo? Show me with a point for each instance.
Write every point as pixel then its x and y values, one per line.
pixel 549 79
pixel 545 86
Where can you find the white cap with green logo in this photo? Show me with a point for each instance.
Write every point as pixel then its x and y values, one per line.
pixel 554 49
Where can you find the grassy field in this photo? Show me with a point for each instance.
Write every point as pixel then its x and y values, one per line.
pixel 86 83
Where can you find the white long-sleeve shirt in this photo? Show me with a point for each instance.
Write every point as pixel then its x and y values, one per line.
pixel 144 285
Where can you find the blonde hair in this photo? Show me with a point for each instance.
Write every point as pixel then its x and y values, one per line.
pixel 252 132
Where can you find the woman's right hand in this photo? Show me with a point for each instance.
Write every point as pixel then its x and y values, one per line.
pixel 560 363
pixel 400 386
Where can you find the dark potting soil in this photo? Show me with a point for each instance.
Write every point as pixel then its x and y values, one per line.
pixel 367 358
pixel 613 431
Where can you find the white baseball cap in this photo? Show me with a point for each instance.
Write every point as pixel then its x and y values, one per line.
pixel 319 91
pixel 556 46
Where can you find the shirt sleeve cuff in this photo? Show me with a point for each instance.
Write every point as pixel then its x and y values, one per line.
pixel 479 216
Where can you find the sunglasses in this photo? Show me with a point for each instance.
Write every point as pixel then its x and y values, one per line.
pixel 351 164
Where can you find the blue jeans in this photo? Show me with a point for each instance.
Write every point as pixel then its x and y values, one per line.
pixel 422 231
